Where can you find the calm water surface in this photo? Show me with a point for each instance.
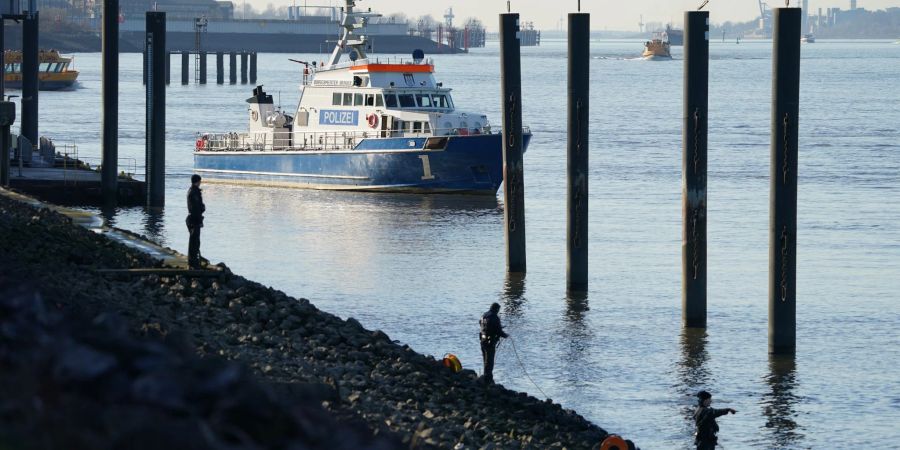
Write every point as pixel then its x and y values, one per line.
pixel 423 268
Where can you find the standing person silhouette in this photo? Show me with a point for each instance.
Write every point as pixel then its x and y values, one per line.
pixel 705 418
pixel 491 332
pixel 194 221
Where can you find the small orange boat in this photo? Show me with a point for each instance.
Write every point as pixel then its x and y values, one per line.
pixel 657 48
pixel 54 71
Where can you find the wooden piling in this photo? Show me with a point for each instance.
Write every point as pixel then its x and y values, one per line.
pixel 30 67
pixel 155 173
pixel 232 68
pixel 202 67
pixel 694 169
pixel 783 181
pixel 110 37
pixel 220 68
pixel 253 68
pixel 185 67
pixel 243 68
pixel 577 154
pixel 513 170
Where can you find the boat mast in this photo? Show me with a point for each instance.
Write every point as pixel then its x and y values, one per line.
pixel 348 38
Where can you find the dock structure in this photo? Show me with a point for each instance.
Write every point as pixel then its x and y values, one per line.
pixel 248 67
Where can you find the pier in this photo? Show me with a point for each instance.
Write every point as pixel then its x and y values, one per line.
pixel 248 66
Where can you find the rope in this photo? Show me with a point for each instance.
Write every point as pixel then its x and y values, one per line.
pixel 523 368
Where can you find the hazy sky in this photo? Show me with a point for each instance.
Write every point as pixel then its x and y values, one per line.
pixel 605 14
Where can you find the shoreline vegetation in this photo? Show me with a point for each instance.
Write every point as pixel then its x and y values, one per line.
pixel 89 360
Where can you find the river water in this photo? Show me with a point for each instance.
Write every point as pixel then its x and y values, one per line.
pixel 423 268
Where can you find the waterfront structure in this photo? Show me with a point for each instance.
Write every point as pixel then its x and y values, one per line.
pixel 364 124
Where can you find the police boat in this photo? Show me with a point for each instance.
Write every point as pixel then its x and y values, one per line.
pixel 365 124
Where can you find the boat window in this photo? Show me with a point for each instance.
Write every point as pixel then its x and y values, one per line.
pixel 417 127
pixel 336 99
pixel 348 99
pixel 407 126
pixel 397 125
pixel 424 100
pixel 357 99
pixel 407 101
pixel 370 99
pixel 379 100
pixel 441 101
pixel 426 127
pixel 390 100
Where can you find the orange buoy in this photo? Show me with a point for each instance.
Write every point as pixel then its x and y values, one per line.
pixel 452 362
pixel 614 442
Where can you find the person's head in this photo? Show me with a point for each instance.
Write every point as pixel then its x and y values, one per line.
pixel 704 398
pixel 195 180
pixel 495 307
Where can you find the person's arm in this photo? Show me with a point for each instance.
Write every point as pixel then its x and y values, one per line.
pixel 722 412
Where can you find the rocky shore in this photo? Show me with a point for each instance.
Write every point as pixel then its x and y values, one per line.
pixel 220 363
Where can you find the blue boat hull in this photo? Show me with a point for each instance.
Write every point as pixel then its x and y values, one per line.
pixel 466 164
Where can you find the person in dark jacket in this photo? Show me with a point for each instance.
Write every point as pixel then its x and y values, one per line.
pixel 705 418
pixel 491 332
pixel 194 221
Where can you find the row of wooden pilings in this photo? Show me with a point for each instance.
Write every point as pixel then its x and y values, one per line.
pixel 784 152
pixel 200 68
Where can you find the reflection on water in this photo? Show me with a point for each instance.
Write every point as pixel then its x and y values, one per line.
pixel 108 213
pixel 693 373
pixel 576 333
pixel 779 404
pixel 513 297
pixel 153 224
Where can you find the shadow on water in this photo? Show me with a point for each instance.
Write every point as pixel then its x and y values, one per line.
pixel 778 405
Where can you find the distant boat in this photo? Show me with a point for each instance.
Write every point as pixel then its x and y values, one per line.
pixel 53 70
pixel 808 38
pixel 657 48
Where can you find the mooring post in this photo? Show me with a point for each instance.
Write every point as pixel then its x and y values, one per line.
pixel 694 169
pixel 7 113
pixel 579 101
pixel 110 173
pixel 30 61
pixel 513 170
pixel 220 68
pixel 203 67
pixel 253 68
pixel 243 67
pixel 185 67
pixel 7 119
pixel 156 110
pixel 232 68
pixel 168 68
pixel 783 179
pixel 144 65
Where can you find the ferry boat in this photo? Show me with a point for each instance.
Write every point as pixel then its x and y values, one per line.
pixel 54 71
pixel 657 48
pixel 362 124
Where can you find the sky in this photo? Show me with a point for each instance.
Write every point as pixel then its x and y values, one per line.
pixel 623 15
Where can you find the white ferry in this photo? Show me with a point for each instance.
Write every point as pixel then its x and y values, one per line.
pixel 363 124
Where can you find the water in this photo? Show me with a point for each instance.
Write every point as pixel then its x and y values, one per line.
pixel 424 268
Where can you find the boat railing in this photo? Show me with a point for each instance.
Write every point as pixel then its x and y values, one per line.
pixel 317 141
pixel 377 60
